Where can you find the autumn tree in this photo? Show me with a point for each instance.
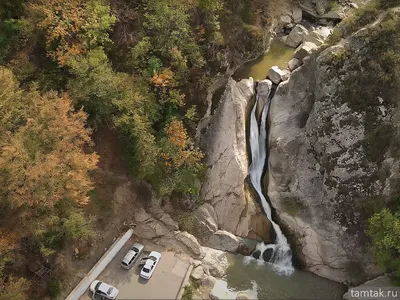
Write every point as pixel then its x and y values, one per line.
pixel 73 27
pixel 43 159
pixel 182 161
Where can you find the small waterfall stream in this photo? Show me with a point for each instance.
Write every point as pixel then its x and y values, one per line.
pixel 281 258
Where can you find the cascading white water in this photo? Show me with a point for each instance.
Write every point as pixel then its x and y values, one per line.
pixel 281 259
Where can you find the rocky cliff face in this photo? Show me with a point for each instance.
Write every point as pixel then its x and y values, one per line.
pixel 333 133
pixel 229 204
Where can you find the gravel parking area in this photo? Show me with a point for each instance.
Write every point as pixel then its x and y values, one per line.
pixel 164 284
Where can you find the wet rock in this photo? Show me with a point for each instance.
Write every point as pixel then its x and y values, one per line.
pixel 256 254
pixel 267 254
pixel 263 89
pixel 304 50
pixel 245 249
pixel 197 273
pixel 296 36
pixel 294 63
pixel 276 75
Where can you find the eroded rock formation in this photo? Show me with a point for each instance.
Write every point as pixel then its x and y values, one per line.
pixel 326 165
pixel 229 205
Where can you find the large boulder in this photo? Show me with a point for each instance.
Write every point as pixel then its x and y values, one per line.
pixel 296 36
pixel 214 262
pixel 197 273
pixel 223 240
pixel 276 75
pixel 304 50
pixel 233 207
pixel 294 63
pixel 188 243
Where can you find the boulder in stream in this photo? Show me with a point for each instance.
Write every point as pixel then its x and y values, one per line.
pixel 304 50
pixel 276 75
pixel 296 36
pixel 223 240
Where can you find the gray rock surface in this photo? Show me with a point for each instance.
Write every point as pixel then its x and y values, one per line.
pixel 214 262
pixel 223 240
pixel 297 15
pixel 264 89
pixel 383 282
pixel 304 50
pixel 285 19
pixel 296 36
pixel 320 177
pixel 294 63
pixel 276 75
pixel 228 201
pixel 197 273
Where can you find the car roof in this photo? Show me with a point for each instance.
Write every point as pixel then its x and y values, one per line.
pixel 138 246
pixel 104 287
pixel 129 256
pixel 155 254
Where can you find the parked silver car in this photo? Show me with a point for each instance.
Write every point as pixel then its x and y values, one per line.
pixel 132 256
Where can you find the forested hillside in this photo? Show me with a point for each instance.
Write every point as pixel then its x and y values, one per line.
pixel 69 68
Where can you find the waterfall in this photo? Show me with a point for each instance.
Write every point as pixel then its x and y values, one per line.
pixel 281 259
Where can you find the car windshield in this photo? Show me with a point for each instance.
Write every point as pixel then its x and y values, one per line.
pixel 152 258
pixel 97 285
pixel 110 291
pixel 146 270
pixel 135 249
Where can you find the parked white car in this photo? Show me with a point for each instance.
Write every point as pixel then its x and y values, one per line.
pixel 150 265
pixel 104 290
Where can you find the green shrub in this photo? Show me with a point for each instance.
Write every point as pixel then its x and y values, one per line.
pixel 384 230
pixel 54 288
pixel 188 293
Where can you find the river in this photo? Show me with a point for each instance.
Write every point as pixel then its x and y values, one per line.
pixel 278 55
pixel 244 271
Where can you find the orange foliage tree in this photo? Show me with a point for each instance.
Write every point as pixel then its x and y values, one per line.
pixel 42 157
pixel 179 149
pixel 73 26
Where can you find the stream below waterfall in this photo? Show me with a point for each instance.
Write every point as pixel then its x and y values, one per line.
pixel 276 279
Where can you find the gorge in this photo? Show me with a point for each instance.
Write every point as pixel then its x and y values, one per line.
pixel 281 256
